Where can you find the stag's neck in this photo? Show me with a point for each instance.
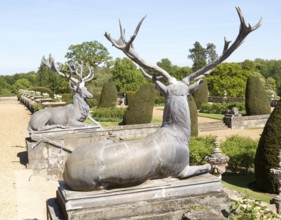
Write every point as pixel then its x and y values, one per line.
pixel 81 104
pixel 176 116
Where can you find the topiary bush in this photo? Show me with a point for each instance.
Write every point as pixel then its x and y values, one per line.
pixel 241 151
pixel 112 114
pixel 200 147
pixel 108 96
pixel 140 109
pixel 193 116
pixel 221 108
pixel 257 102
pixel 201 95
pixel 268 150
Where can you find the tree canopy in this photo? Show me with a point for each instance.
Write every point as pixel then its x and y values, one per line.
pixel 229 77
pixel 126 75
pixel 92 53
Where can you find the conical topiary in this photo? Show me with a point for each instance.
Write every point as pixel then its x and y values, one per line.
pixel 108 96
pixel 140 109
pixel 268 150
pixel 257 102
pixel 201 95
pixel 193 116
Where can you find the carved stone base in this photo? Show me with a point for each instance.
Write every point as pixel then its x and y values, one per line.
pixel 157 199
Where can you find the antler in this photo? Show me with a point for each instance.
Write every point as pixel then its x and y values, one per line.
pixel 227 51
pixel 127 47
pixel 72 68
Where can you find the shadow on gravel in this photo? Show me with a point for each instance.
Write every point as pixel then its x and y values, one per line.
pixel 23 157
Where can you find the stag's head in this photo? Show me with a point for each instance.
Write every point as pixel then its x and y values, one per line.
pixel 190 83
pixel 77 84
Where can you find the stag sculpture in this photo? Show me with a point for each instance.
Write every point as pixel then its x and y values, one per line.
pixel 71 115
pixel 162 154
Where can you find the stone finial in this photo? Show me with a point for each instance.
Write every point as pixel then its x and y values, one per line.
pixel 276 172
pixel 217 160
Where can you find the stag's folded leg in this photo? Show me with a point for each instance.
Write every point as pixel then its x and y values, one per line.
pixel 49 127
pixel 190 171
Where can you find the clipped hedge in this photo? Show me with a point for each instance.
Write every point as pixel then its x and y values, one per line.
pixel 257 102
pixel 241 151
pixel 108 96
pixel 112 114
pixel 268 151
pixel 193 116
pixel 200 147
pixel 201 95
pixel 140 109
pixel 221 108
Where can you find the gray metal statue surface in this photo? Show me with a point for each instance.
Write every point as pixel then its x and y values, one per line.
pixel 71 115
pixel 162 154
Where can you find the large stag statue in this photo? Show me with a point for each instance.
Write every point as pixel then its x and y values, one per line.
pixel 71 115
pixel 162 154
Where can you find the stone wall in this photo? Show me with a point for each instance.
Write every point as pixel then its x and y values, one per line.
pixel 241 122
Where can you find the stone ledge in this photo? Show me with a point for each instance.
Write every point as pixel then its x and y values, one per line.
pixel 156 199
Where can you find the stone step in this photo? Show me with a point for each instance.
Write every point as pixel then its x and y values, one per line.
pixel 212 126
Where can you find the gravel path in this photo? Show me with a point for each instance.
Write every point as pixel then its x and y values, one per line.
pixel 13 131
pixel 23 197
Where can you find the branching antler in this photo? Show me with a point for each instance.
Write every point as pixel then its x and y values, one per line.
pixel 227 51
pixel 72 68
pixel 127 47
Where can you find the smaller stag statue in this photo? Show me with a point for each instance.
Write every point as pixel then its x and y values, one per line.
pixel 71 115
pixel 161 154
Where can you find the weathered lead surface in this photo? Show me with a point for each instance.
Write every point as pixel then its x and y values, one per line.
pixel 161 154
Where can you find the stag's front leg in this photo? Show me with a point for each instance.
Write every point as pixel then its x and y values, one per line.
pixel 190 171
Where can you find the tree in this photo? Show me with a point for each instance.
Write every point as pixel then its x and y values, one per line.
pixel 126 76
pixel 21 84
pixel 198 56
pixel 257 101
pixel 181 72
pixel 211 53
pixel 166 64
pixel 268 150
pixel 48 78
pixel 228 77
pixel 92 53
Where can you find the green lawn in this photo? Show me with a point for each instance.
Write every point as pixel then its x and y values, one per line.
pixel 213 116
pixel 241 183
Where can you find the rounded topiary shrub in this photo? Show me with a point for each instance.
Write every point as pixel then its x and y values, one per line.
pixel 268 150
pixel 140 109
pixel 108 96
pixel 201 95
pixel 257 102
pixel 193 116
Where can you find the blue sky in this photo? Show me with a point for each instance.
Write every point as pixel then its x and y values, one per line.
pixel 31 29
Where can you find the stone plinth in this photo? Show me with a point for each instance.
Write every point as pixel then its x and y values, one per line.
pixel 166 198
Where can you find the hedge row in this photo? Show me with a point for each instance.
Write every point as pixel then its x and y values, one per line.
pixel 241 151
pixel 221 108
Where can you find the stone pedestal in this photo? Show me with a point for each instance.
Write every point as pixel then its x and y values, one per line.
pixel 168 198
